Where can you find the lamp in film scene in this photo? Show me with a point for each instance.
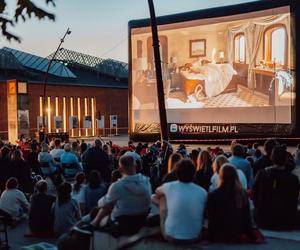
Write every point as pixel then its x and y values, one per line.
pixel 222 56
pixel 140 65
pixel 173 61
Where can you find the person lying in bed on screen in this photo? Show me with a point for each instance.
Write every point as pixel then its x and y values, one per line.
pixel 216 77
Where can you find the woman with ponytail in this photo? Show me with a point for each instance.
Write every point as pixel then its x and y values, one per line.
pixel 78 190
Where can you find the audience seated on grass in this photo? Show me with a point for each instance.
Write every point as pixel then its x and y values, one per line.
pixel 181 205
pixel 57 151
pixel 204 169
pixel 66 210
pixel 94 190
pixel 32 159
pixel 13 203
pixel 215 179
pixel 69 162
pixel 78 190
pixel 41 215
pixel 96 159
pixel 173 160
pixel 123 210
pixel 238 161
pixel 120 180
pixel 275 194
pixel 20 169
pixel 265 160
pixel 48 165
pixel 228 209
pixel 4 163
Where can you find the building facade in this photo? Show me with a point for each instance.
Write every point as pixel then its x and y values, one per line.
pixel 84 96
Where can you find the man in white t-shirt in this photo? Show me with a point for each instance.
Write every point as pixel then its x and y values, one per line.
pixel 57 151
pixel 181 205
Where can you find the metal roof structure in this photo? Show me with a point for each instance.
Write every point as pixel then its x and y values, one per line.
pixel 40 63
pixel 9 61
pixel 106 66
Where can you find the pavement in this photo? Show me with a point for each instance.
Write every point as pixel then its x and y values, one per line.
pixel 275 241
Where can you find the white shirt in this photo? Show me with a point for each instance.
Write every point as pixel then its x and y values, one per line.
pixel 215 180
pixel 57 152
pixel 79 196
pixel 12 201
pixel 185 204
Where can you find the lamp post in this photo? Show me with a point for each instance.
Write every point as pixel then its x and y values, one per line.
pixel 160 87
pixel 68 32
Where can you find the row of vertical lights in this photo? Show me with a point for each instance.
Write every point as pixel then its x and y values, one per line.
pixel 64 115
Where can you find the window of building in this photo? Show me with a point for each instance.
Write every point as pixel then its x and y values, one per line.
pixel 240 48
pixel 275 44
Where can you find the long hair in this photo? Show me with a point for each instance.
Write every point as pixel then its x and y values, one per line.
pixel 204 161
pixel 79 179
pixel 94 179
pixel 230 183
pixel 64 193
pixel 17 155
pixel 218 162
pixel 173 160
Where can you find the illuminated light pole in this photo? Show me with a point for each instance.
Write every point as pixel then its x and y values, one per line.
pixel 160 86
pixel 68 32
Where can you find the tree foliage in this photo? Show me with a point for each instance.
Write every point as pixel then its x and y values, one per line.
pixel 25 9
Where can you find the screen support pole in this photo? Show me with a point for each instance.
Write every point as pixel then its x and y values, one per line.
pixel 159 79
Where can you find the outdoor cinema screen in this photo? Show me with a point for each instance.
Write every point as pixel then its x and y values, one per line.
pixel 223 73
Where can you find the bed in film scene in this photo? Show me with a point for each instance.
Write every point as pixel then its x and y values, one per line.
pixel 234 69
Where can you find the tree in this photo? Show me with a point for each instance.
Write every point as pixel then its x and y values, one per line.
pixel 25 9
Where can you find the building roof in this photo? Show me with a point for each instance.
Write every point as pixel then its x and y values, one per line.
pixel 15 64
pixel 40 63
pixel 105 66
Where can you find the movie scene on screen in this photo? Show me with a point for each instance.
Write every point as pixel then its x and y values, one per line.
pixel 236 69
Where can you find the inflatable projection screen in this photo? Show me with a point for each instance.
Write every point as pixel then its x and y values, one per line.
pixel 228 72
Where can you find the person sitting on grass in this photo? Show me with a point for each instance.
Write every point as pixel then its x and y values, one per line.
pixel 238 161
pixel 204 169
pixel 48 165
pixel 40 212
pixel 181 205
pixel 124 209
pixel 215 179
pixel 69 162
pixel 229 218
pixel 57 151
pixel 66 210
pixel 78 190
pixel 265 160
pixel 275 194
pixel 173 160
pixel 13 203
pixel 94 190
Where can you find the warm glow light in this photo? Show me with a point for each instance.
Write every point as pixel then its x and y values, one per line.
pixel 41 106
pixel 79 115
pixel 64 114
pixel 72 113
pixel 86 112
pixel 93 116
pixel 56 106
pixel 49 114
pixel 56 110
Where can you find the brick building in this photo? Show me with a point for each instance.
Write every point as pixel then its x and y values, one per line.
pixel 81 90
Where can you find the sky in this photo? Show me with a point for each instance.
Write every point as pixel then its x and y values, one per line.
pixel 99 27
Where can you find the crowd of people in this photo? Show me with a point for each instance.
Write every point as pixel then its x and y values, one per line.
pixel 206 193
